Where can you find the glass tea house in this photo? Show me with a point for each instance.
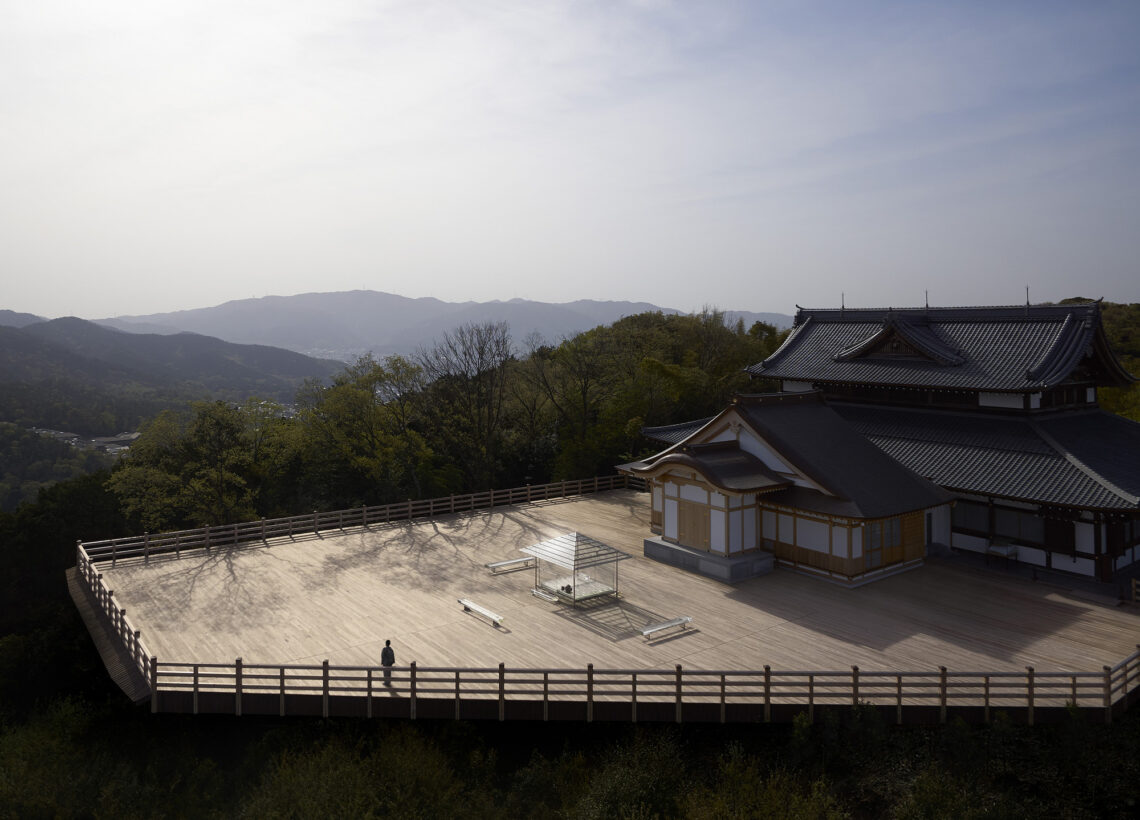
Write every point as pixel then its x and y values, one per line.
pixel 574 567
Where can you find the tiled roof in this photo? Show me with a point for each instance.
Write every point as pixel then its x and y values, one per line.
pixel 862 480
pixel 675 433
pixel 722 463
pixel 1083 459
pixel 986 348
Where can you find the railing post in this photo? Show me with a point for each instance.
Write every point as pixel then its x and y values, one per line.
pixel 364 516
pixel 368 704
pixel 457 694
pixel 502 691
pixel 767 693
pixel 137 647
pixel 986 695
pixel 208 539
pixel 854 686
pixel 589 692
pixel 412 690
pixel 263 528
pixel 898 699
pixel 633 698
pixel 1029 692
pixel 146 547
pixel 153 685
pixel 545 695
pixel 316 531
pixel 722 676
pixel 678 693
pixel 237 687
pixel 325 688
pixel 942 694
pixel 195 688
pixel 1108 693
pixel 1073 681
pixel 281 703
pixel 114 551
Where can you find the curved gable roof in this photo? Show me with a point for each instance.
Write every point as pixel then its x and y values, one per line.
pixel 1024 348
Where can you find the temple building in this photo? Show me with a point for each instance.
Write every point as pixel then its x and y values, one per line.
pixel 783 478
pixel 998 406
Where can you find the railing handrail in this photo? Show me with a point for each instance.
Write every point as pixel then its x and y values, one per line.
pixel 227 535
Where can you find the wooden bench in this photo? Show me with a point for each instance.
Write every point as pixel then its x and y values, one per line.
pixel 510 563
pixel 471 606
pixel 653 629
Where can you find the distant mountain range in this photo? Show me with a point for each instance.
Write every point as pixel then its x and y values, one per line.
pixel 76 375
pixel 346 324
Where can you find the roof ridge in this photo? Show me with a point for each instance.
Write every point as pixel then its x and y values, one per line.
pixel 1092 474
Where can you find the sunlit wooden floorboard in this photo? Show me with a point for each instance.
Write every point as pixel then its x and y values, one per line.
pixel 339 596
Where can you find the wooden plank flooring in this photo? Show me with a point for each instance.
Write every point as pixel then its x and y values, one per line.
pixel 338 597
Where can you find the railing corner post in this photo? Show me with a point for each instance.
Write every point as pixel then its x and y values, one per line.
pixel 153 684
pixel 1108 694
pixel 679 695
pixel 237 687
pixel 412 690
pixel 854 685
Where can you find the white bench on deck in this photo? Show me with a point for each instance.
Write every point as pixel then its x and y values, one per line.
pixel 471 606
pixel 544 595
pixel 653 629
pixel 510 563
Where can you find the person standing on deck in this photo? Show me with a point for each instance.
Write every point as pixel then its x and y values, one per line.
pixel 387 659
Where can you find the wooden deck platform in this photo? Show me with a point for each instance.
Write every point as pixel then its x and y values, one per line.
pixel 338 597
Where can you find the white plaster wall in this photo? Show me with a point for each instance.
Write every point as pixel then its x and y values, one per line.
pixel 812 535
pixel 940 518
pixel 716 530
pixel 670 488
pixel 656 499
pixel 1010 401
pixel 724 435
pixel 973 543
pixel 856 542
pixel 669 530
pixel 787 529
pixel 734 532
pixel 1081 566
pixel 1090 394
pixel 769 525
pixel 839 541
pixel 716 499
pixel 733 501
pixel 1031 555
pixel 1085 534
pixel 1035 401
pixel 748 537
pixel 750 444
pixel 691 492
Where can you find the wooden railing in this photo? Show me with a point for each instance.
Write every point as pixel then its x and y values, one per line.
pixel 675 694
pixel 538 694
pixel 129 637
pixel 147 546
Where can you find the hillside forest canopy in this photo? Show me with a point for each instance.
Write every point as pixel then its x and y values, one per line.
pixel 469 414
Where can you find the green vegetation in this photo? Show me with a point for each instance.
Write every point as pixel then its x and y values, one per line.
pixel 29 462
pixel 465 416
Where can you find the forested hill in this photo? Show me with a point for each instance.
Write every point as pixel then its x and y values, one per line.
pixel 76 375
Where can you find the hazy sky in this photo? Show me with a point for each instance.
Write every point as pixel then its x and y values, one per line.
pixel 160 155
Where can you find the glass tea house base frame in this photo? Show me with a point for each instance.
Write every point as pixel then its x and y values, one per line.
pixel 575 567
